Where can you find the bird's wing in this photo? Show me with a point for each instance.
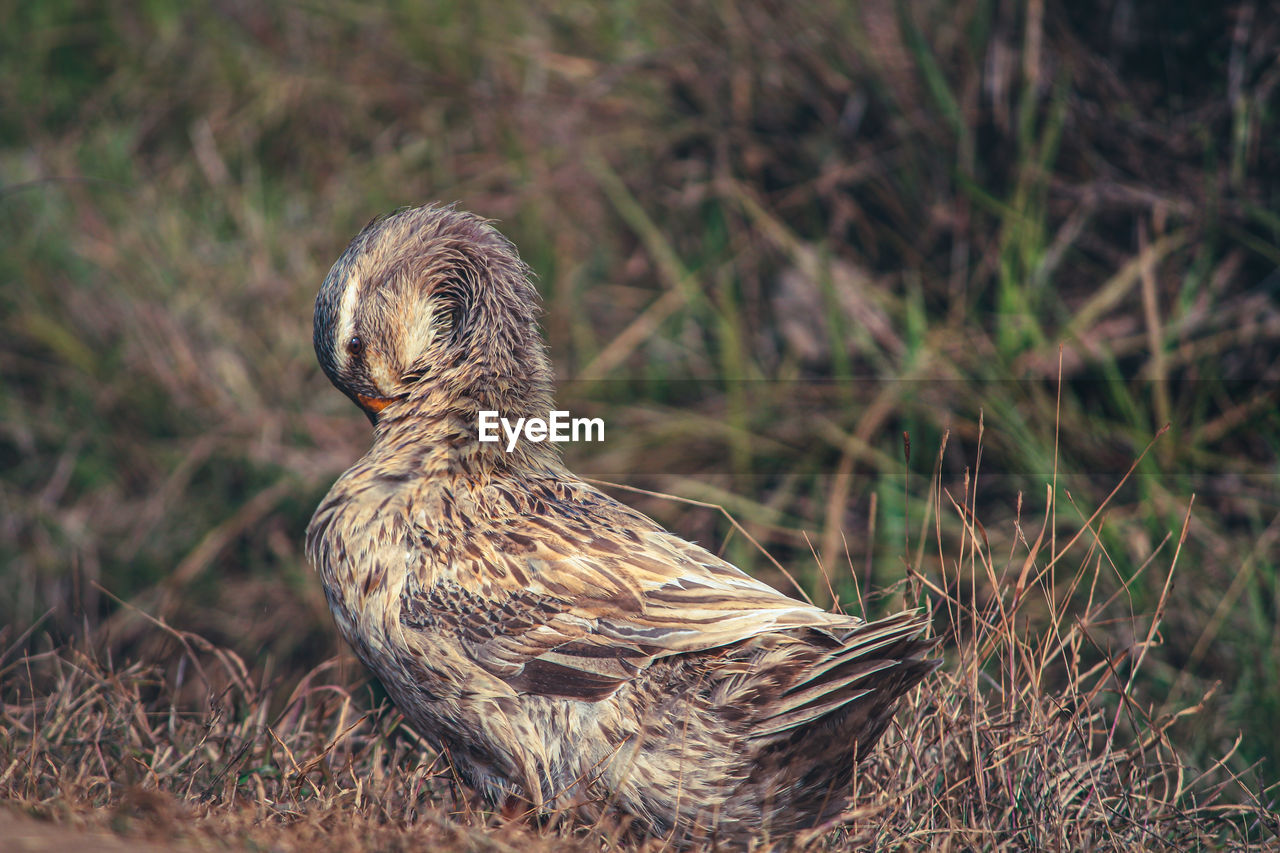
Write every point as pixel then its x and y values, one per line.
pixel 557 610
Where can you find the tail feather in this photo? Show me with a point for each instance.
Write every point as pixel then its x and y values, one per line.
pixel 875 663
pixel 783 723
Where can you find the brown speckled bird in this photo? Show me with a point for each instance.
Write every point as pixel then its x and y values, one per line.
pixel 567 652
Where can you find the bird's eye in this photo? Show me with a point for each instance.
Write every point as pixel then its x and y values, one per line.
pixel 355 346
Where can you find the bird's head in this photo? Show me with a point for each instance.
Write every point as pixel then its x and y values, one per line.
pixel 432 305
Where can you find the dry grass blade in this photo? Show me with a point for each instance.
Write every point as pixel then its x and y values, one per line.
pixel 724 512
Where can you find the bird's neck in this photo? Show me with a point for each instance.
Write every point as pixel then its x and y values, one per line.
pixel 436 432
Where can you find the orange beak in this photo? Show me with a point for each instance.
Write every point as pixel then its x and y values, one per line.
pixel 372 406
pixel 375 404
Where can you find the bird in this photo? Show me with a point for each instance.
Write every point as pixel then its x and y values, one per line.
pixel 568 654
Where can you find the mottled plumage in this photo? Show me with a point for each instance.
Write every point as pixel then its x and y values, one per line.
pixel 565 650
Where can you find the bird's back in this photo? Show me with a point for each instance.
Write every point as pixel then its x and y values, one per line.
pixel 546 634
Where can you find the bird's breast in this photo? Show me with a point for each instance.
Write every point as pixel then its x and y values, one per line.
pixel 361 543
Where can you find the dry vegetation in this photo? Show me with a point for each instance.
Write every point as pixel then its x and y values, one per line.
pixel 1010 747
pixel 773 239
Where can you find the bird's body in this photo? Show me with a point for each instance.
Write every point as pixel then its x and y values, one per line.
pixel 567 652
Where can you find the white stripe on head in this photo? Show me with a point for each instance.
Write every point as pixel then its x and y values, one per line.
pixel 347 316
pixel 420 327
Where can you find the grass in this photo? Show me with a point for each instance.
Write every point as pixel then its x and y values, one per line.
pixel 1016 744
pixel 770 244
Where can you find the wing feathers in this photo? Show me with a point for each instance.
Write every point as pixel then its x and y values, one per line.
pixel 553 606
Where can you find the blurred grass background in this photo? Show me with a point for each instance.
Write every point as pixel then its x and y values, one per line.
pixel 772 238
